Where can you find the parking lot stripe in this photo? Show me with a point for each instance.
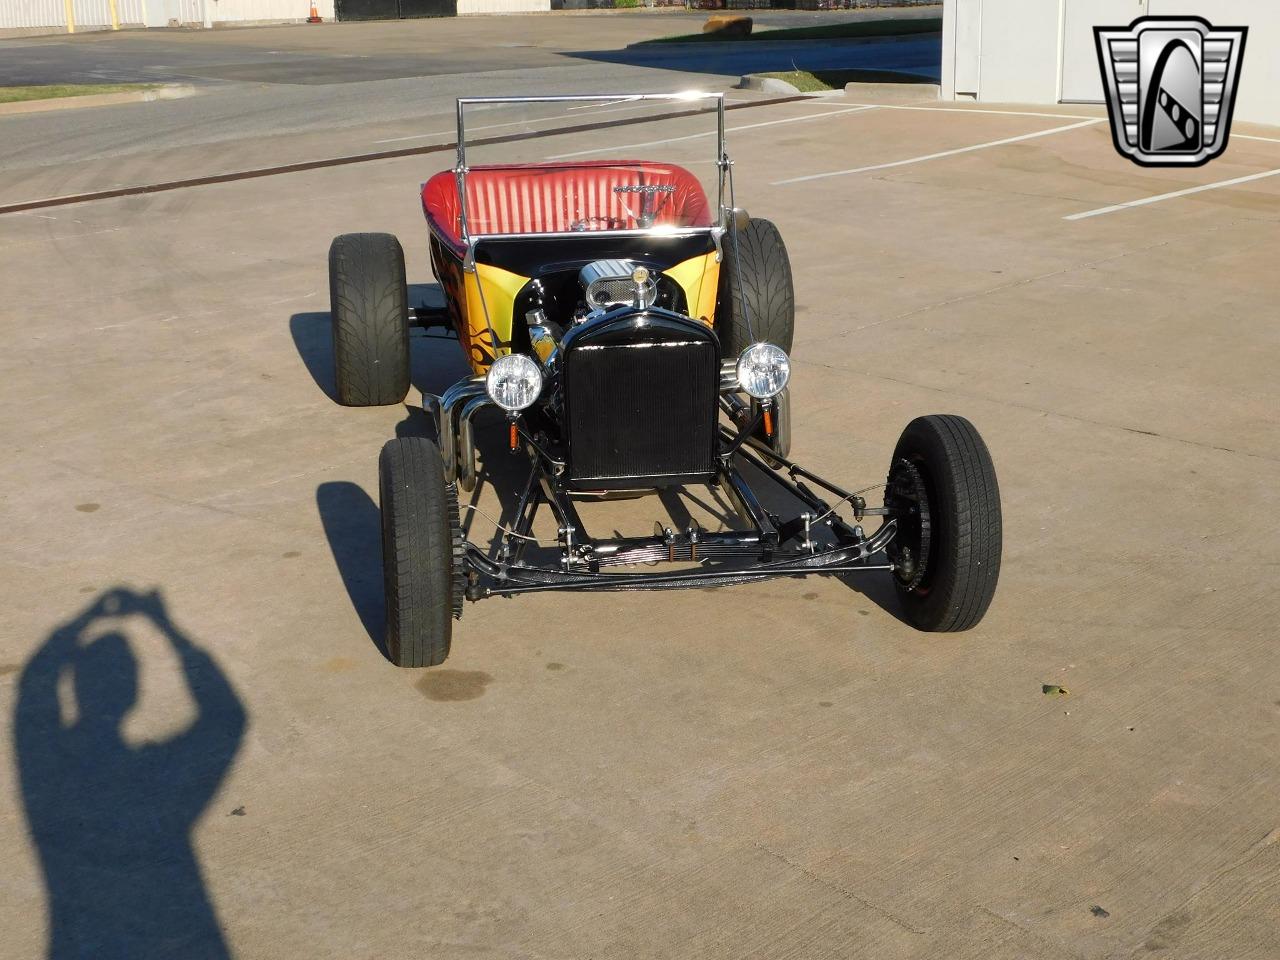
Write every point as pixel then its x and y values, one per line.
pixel 1245 136
pixel 710 133
pixel 1006 113
pixel 936 156
pixel 1171 195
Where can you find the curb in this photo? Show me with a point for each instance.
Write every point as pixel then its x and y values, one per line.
pixel 167 92
pixel 874 90
pixel 753 81
pixel 894 91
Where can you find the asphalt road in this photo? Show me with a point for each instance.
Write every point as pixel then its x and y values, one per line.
pixel 778 770
pixel 301 93
pixel 359 52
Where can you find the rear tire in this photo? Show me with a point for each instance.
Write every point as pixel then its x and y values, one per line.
pixel 947 580
pixel 759 272
pixel 423 565
pixel 369 304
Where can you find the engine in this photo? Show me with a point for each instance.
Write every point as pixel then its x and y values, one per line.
pixel 613 283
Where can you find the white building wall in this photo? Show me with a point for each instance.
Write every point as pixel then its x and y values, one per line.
pixel 232 11
pixel 1024 71
pixel 1042 51
pixel 467 7
pixel 32 13
pixel 51 15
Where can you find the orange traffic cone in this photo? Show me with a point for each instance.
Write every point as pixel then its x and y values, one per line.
pixel 315 15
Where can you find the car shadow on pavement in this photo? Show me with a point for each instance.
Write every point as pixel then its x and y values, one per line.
pixel 112 820
pixel 353 526
pixel 436 360
pixel 313 339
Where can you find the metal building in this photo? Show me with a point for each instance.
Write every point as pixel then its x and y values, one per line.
pixel 71 16
pixel 1042 51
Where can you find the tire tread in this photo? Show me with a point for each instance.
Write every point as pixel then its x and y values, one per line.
pixel 421 552
pixel 763 269
pixel 368 300
pixel 965 567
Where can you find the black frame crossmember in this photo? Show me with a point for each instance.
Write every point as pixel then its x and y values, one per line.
pixel 769 549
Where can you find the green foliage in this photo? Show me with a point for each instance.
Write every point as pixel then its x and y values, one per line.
pixel 56 91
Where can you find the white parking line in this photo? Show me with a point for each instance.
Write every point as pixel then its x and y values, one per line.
pixel 935 156
pixel 1169 196
pixel 1007 113
pixel 709 133
pixel 1245 136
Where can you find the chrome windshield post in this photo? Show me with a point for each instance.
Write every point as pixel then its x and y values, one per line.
pixel 722 157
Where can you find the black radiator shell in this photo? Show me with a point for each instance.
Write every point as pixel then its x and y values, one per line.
pixel 640 400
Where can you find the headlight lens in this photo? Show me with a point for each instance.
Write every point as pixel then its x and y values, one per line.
pixel 763 370
pixel 514 382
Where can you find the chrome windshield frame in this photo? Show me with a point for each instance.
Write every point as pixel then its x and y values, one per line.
pixel 693 96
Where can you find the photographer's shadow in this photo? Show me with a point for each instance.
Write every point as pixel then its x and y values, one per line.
pixel 111 820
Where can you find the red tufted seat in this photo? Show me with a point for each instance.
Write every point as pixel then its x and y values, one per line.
pixel 554 197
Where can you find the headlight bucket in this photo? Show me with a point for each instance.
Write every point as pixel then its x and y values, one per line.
pixel 763 370
pixel 513 382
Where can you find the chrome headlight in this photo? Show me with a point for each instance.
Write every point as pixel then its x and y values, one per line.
pixel 514 382
pixel 763 370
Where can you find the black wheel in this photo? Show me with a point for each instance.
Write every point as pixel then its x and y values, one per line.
pixel 423 565
pixel 946 554
pixel 369 304
pixel 759 273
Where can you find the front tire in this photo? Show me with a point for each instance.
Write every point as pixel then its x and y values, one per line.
pixel 756 270
pixel 947 549
pixel 423 565
pixel 369 305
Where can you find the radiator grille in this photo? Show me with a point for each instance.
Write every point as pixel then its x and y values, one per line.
pixel 642 411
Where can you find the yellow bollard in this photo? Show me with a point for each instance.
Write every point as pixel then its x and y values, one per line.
pixel 71 15
pixel 115 15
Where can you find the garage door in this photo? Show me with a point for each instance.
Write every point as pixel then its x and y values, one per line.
pixel 1081 80
pixel 395 9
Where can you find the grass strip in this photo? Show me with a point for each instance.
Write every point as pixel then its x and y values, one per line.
pixel 57 91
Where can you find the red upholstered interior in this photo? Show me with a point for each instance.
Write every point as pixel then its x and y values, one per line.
pixel 556 197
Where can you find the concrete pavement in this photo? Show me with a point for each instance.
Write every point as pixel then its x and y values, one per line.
pixel 781 770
